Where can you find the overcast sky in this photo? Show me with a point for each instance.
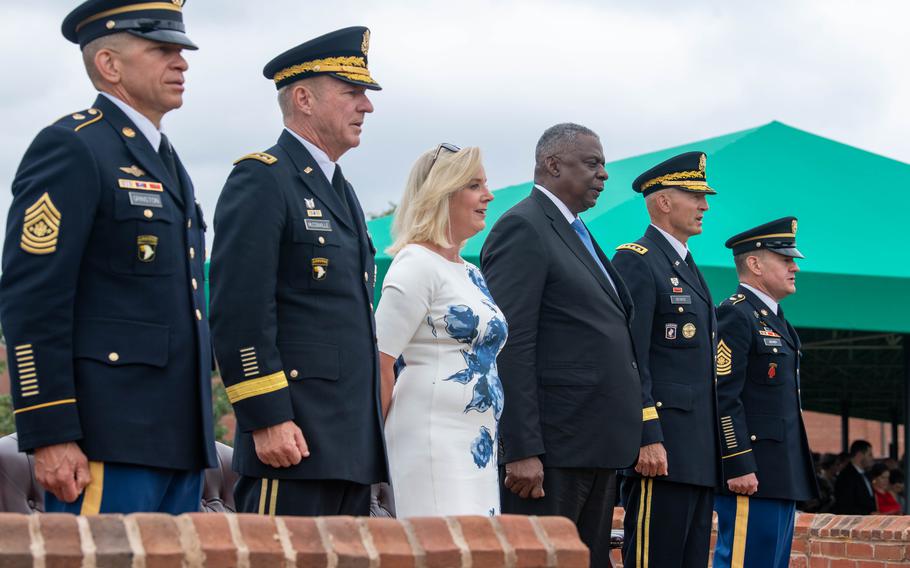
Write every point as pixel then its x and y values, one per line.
pixel 645 75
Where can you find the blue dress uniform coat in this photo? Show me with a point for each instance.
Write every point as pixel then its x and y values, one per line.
pixel 292 315
pixel 675 333
pixel 102 298
pixel 758 400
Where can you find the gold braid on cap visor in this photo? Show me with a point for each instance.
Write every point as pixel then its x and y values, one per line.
pixel 675 176
pixel 352 67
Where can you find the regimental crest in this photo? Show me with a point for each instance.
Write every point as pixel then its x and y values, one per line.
pixel 724 359
pixel 178 3
pixel 41 227
pixel 365 44
pixel 146 247
pixel 133 170
pixel 793 227
pixel 310 202
pixel 320 268
pixel 702 163
pixel 674 281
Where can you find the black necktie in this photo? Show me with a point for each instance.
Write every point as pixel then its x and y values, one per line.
pixel 338 186
pixel 166 152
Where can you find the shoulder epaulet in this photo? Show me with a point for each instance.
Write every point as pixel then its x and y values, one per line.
pixel 79 120
pixel 634 247
pixel 266 159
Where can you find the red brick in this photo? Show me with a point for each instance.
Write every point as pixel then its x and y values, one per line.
pixel 215 539
pixel 480 536
pixel 870 564
pixel 261 538
pixel 112 549
pixel 800 546
pixel 344 534
pixel 618 515
pixel 834 549
pixel 62 545
pixel 799 562
pixel 391 541
pixel 519 532
pixel 563 535
pixel 434 537
pixel 889 552
pixel 842 563
pixel 803 524
pixel 818 562
pixel 859 550
pixel 15 541
pixel 306 541
pixel 160 539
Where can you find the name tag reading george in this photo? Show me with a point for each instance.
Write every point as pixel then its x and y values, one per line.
pixel 145 200
pixel 318 224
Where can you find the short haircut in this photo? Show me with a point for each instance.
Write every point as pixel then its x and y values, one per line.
pixel 286 101
pixel 859 447
pixel 558 138
pixel 423 214
pixel 113 42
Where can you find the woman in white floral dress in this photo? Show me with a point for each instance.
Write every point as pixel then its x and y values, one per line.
pixel 437 319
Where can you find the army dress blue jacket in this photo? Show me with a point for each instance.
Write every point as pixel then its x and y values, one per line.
pixel 674 331
pixel 102 298
pixel 293 280
pixel 759 402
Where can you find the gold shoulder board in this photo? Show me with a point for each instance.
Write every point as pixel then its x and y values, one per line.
pixel 266 159
pixel 634 247
pixel 737 298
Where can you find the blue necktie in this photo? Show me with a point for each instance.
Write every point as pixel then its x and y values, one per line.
pixel 585 237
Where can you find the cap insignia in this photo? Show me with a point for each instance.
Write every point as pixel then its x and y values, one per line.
pixel 793 227
pixel 702 162
pixel 365 44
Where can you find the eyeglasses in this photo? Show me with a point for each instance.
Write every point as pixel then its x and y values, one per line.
pixel 444 146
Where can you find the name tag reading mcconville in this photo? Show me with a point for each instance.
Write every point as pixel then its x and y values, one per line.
pixel 318 224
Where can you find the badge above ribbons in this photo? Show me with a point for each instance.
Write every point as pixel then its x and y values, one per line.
pixel 41 227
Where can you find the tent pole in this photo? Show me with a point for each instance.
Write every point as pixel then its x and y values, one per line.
pixel 844 425
pixel 905 340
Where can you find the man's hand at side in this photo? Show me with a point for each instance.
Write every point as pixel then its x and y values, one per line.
pixel 525 478
pixel 744 484
pixel 652 460
pixel 281 445
pixel 62 469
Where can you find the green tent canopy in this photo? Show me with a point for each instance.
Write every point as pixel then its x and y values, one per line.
pixel 851 205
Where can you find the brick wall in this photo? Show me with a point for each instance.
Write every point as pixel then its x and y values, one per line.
pixel 253 541
pixel 837 541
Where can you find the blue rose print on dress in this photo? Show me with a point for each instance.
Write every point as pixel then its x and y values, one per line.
pixel 461 323
pixel 477 278
pixel 482 448
pixel 432 327
pixel 482 363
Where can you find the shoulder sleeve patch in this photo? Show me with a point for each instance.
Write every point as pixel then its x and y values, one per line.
pixel 634 247
pixel 266 159
pixel 79 120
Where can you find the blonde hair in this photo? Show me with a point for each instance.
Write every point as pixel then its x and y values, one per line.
pixel 423 214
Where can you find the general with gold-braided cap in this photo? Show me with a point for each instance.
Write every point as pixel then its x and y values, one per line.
pixel 341 54
pixel 160 21
pixel 685 172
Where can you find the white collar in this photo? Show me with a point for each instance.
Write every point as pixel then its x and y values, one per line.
pixel 145 126
pixel 681 249
pixel 762 296
pixel 559 204
pixel 322 159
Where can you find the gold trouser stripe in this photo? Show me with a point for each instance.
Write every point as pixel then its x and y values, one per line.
pixel 45 405
pixel 736 454
pixel 256 387
pixel 649 413
pixel 642 535
pixel 273 501
pixel 740 528
pixel 131 8
pixel 91 500
pixel 647 544
pixel 263 493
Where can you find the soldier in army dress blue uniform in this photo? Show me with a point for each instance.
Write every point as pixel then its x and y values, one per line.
pixel 669 494
pixel 767 465
pixel 292 296
pixel 101 297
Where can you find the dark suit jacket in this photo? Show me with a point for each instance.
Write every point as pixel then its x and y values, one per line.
pixel 102 298
pixel 674 334
pixel 758 400
pixel 851 494
pixel 292 315
pixel 569 373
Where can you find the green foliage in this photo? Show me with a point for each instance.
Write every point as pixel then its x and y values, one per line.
pixel 221 407
pixel 7 421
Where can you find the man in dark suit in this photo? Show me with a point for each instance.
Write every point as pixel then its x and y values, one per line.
pixel 852 491
pixel 572 413
pixel 101 298
pixel 669 494
pixel 767 464
pixel 292 291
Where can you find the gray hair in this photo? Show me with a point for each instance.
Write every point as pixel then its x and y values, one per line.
pixel 114 42
pixel 559 138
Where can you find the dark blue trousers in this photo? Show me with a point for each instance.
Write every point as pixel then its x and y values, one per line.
pixel 126 488
pixel 753 532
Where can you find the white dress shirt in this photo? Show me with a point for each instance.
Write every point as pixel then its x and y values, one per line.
pixel 145 126
pixel 681 249
pixel 772 305
pixel 322 159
